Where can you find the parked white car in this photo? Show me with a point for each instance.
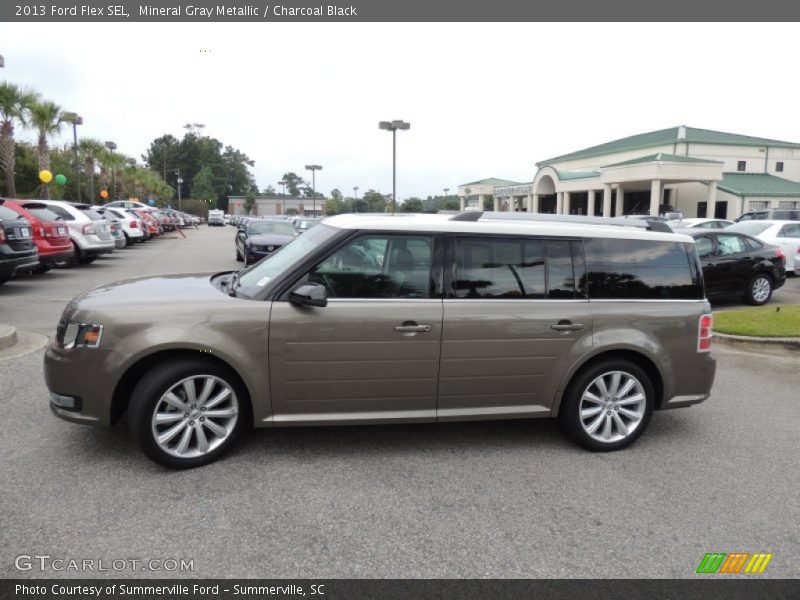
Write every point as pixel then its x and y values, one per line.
pixel 131 226
pixel 700 223
pixel 785 234
pixel 89 231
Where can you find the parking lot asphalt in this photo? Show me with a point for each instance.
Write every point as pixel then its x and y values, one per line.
pixel 490 499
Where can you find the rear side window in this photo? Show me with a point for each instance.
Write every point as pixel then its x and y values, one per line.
pixel 514 268
pixel 791 231
pixel 730 244
pixel 92 214
pixel 640 269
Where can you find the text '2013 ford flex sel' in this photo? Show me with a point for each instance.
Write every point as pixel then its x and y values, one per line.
pixel 388 319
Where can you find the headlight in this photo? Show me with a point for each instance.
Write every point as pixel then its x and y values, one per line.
pixel 86 335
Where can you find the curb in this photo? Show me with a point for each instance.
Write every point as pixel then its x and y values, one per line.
pixel 787 343
pixel 8 336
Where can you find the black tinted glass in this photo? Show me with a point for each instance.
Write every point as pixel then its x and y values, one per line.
pixel 560 277
pixel 500 268
pixel 43 214
pixel 639 269
pixel 62 212
pixel 6 214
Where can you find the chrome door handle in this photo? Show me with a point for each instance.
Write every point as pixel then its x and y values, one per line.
pixel 566 326
pixel 412 328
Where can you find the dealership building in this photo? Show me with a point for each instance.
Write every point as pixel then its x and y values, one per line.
pixel 696 171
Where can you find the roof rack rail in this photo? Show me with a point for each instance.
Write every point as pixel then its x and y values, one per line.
pixel 469 215
pixel 648 224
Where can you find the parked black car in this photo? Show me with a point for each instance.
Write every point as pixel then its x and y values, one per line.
pixel 258 238
pixel 17 249
pixel 735 264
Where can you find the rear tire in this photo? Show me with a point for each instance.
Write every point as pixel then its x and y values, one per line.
pixel 239 257
pixel 196 437
pixel 612 420
pixel 759 290
pixel 40 268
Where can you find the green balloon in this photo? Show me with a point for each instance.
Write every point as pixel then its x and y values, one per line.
pixel 60 179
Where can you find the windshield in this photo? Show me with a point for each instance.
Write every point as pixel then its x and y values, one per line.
pixel 279 227
pixel 254 278
pixel 749 227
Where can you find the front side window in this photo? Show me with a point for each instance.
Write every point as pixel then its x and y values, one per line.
pixel 377 266
pixel 730 244
pixel 640 269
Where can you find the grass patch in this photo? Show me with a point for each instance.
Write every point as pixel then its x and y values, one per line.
pixel 764 321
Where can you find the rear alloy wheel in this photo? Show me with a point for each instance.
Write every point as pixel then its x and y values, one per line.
pixel 187 413
pixel 759 290
pixel 608 406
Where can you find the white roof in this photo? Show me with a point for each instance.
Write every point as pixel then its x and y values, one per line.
pixel 436 223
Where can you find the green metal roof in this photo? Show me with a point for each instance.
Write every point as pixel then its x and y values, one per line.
pixel 568 175
pixel 493 181
pixel 757 184
pixel 662 137
pixel 662 157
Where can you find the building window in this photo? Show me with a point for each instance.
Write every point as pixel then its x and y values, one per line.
pixel 741 165
pixel 779 166
pixel 758 205
pixel 787 204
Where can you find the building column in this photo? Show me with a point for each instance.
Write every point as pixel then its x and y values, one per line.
pixel 590 203
pixel 711 199
pixel 606 199
pixel 463 200
pixel 620 202
pixel 529 200
pixel 559 202
pixel 567 199
pixel 655 197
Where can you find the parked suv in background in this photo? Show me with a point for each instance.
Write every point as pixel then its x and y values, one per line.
pixel 50 233
pixel 17 250
pixel 89 232
pixel 388 319
pixel 776 214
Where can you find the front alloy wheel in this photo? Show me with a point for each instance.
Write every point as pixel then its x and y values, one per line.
pixel 187 412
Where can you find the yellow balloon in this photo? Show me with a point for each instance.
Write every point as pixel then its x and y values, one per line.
pixel 45 176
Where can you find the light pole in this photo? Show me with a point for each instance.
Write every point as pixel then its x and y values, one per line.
pixel 179 182
pixel 445 190
pixel 111 147
pixel 283 183
pixel 393 126
pixel 2 61
pixel 355 200
pixel 76 120
pixel 314 169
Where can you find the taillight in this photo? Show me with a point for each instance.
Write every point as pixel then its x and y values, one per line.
pixel 43 233
pixel 88 230
pixel 2 236
pixel 705 333
pixel 779 253
pixel 134 225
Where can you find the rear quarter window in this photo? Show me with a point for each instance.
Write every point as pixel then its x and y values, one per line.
pixel 619 269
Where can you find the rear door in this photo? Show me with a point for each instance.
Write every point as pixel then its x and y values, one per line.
pixel 734 261
pixel 371 354
pixel 514 310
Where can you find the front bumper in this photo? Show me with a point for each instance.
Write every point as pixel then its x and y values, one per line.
pixel 256 255
pixel 78 373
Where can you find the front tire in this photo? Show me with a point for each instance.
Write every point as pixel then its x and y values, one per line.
pixel 239 257
pixel 608 405
pixel 187 412
pixel 759 290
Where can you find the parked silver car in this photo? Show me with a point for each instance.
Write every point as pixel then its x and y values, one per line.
pixel 89 231
pixel 388 319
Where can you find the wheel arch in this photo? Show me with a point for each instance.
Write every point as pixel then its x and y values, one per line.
pixel 637 357
pixel 124 388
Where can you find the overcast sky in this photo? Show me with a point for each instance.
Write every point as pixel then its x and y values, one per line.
pixel 484 100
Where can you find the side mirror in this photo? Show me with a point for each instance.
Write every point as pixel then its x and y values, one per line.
pixel 309 294
pixel 240 233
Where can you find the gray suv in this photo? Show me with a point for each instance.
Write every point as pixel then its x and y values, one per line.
pixel 390 319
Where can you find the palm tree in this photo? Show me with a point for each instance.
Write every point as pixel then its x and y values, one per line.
pixel 47 118
pixel 91 150
pixel 15 103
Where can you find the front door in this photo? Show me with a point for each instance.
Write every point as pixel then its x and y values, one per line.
pixel 371 354
pixel 734 262
pixel 513 313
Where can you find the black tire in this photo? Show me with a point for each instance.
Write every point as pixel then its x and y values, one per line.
pixel 128 241
pixel 158 381
pixel 569 414
pixel 239 257
pixel 86 260
pixel 40 268
pixel 755 288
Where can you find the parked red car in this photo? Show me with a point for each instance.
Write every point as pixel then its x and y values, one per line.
pixel 50 233
pixel 152 224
